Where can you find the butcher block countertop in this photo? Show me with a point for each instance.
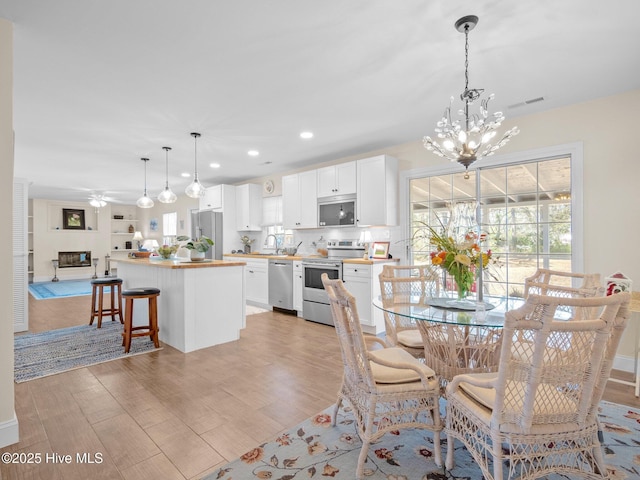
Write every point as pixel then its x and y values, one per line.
pixel 357 261
pixel 369 261
pixel 181 263
pixel 263 255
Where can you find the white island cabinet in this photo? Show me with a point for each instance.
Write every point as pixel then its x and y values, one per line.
pixel 200 304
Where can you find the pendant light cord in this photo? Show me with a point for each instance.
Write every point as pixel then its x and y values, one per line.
pixel 145 160
pixel 195 155
pixel 166 149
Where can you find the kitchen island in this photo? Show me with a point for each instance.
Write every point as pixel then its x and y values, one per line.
pixel 201 304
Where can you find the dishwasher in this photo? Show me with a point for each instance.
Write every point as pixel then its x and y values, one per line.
pixel 281 284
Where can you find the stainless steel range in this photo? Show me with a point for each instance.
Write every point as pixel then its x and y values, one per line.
pixel 315 301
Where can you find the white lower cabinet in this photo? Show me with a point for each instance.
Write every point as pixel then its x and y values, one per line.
pixel 256 284
pixel 298 285
pixel 257 275
pixel 363 283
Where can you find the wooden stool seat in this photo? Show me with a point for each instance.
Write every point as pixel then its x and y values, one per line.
pixel 97 291
pixel 151 329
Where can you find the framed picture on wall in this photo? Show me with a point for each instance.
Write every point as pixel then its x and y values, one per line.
pixel 380 250
pixel 72 219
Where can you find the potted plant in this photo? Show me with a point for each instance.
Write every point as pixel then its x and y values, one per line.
pixel 198 246
pixel 246 241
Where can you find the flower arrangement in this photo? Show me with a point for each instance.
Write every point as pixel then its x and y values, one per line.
pixel 246 240
pixel 460 259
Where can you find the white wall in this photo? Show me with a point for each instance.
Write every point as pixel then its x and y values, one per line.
pixel 8 420
pixel 49 237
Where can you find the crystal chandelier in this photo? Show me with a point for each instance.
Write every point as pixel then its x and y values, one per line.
pixel 195 188
pixel 167 196
pixel 467 142
pixel 144 201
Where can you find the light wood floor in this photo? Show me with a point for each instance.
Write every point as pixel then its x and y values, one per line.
pixel 169 415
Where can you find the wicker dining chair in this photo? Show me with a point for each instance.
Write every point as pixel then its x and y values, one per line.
pixel 409 285
pixel 387 388
pixel 555 283
pixel 539 416
pixel 565 284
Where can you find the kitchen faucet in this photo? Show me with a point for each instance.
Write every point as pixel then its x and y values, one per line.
pixel 275 239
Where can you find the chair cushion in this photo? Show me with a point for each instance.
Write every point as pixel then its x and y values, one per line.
pixel 384 374
pixel 484 396
pixel 410 338
pixel 551 399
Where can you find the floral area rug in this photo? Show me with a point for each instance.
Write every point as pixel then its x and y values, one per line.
pixel 56 351
pixel 315 449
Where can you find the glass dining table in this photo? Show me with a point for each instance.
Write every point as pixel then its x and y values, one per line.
pixel 458 338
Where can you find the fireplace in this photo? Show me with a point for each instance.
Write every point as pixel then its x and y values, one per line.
pixel 74 259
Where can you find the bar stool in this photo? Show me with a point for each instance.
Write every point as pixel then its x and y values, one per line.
pixel 97 290
pixel 151 329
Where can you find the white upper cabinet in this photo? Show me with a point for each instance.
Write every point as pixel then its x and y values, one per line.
pixel 299 200
pixel 217 197
pixel 337 180
pixel 377 202
pixel 249 207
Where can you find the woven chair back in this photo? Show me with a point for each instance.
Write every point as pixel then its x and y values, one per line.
pixel 408 284
pixel 567 285
pixel 357 369
pixel 557 377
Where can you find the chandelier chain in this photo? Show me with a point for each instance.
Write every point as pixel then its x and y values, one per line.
pixel 466 57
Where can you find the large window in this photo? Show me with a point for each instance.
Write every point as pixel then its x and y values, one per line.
pixel 169 227
pixel 524 208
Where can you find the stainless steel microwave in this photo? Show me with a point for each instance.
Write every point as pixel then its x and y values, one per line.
pixel 338 211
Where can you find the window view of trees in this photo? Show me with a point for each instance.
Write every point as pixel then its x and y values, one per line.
pixel 524 210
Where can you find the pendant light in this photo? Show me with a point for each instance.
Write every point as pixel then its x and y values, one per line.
pixel 144 201
pixel 167 196
pixel 195 189
pixel 470 138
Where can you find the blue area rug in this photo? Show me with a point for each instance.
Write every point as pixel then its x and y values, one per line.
pixel 315 449
pixel 66 288
pixel 42 354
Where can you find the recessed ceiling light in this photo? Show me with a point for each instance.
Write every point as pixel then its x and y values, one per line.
pixel 253 153
pixel 306 135
pixel 185 174
pixel 214 165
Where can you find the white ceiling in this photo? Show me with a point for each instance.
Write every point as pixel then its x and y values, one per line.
pixel 100 84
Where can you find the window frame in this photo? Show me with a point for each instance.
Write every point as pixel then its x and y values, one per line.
pixel 572 150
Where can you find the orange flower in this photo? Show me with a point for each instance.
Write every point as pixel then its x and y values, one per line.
pixel 321 420
pixel 436 260
pixel 253 456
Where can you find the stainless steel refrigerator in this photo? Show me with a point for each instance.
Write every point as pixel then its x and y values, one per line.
pixel 208 224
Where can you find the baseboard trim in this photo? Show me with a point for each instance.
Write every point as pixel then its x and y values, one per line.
pixel 9 432
pixel 624 363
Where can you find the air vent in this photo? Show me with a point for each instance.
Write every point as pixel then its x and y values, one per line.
pixel 526 102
